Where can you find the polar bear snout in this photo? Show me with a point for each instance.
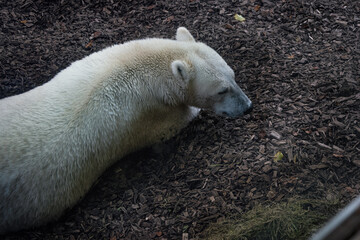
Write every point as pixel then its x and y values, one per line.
pixel 250 108
pixel 240 111
pixel 243 109
pixel 245 105
pixel 234 104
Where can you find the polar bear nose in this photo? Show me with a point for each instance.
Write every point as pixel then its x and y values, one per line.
pixel 249 110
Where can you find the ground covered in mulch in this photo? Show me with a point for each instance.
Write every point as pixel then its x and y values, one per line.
pixel 297 60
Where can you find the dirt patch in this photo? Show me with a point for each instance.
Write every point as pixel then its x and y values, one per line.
pixel 298 62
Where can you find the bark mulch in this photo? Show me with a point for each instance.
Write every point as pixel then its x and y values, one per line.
pixel 297 60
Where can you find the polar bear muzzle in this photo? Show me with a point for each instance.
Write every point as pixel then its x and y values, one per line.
pixel 235 103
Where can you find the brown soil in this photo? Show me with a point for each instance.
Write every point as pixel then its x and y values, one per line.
pixel 297 60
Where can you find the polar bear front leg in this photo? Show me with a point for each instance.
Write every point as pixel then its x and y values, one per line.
pixel 176 119
pixel 165 148
pixel 194 112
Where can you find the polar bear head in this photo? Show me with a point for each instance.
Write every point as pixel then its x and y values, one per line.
pixel 210 81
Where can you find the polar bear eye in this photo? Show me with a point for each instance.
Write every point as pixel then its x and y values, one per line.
pixel 225 90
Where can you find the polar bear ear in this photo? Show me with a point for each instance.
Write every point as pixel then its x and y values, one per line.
pixel 180 70
pixel 182 34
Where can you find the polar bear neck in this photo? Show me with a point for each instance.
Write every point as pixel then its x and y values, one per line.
pixel 118 85
pixel 143 82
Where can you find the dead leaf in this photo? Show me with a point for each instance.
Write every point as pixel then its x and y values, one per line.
pixel 95 35
pixel 239 17
pixel 291 56
pixel 278 156
pixel 89 44
pixel 27 23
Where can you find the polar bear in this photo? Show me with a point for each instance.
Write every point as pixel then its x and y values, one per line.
pixel 58 138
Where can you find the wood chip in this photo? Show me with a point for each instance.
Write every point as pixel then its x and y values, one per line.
pixel 266 168
pixel 318 166
pixel 275 135
pixel 356 162
pixel 185 236
pixel 337 123
pixel 324 145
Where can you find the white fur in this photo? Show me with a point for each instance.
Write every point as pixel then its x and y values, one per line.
pixel 58 138
pixel 182 34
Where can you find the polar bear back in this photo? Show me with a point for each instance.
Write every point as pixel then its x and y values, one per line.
pixel 57 139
